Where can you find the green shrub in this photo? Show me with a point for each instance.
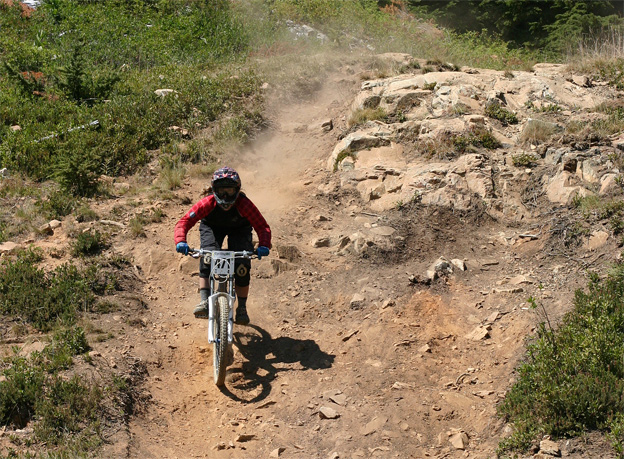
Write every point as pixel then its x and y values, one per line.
pixel 69 409
pixel 19 392
pixel 572 379
pixel 362 115
pixel 494 110
pixel 524 160
pixel 58 204
pixel 87 243
pixel 66 412
pixel 477 137
pixel 84 213
pixel 39 298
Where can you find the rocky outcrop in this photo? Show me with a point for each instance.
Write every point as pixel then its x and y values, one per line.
pixel 385 161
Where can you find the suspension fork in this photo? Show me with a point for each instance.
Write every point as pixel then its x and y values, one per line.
pixel 221 287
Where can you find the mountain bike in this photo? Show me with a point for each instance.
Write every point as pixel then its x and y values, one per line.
pixel 221 305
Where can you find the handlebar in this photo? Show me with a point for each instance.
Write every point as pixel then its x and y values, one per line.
pixel 196 253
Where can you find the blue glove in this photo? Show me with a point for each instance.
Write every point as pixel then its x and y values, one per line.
pixel 262 252
pixel 182 247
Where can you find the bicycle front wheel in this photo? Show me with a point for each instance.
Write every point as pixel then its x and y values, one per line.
pixel 221 339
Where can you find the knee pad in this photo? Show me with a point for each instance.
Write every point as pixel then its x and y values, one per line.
pixel 242 274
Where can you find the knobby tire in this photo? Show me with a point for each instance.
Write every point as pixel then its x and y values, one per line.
pixel 221 344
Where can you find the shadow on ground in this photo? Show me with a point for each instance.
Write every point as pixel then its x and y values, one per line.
pixel 264 357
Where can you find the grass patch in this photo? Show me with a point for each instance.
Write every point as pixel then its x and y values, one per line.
pixel 524 160
pixel 450 146
pixel 68 412
pixel 88 243
pixel 572 378
pixel 494 110
pixel 538 131
pixel 39 298
pixel 362 115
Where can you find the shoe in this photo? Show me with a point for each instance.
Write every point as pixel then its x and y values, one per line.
pixel 241 316
pixel 201 311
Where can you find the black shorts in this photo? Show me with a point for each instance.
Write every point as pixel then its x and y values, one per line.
pixel 238 239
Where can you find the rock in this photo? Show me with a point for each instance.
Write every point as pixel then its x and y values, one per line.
pixel 440 267
pixel 589 171
pixel 480 333
pixel 383 231
pixel 492 317
pixel 520 279
pixel 375 424
pixel 507 290
pixel 581 80
pixel 357 302
pixel 608 183
pixel 55 224
pixel 597 240
pixel 424 349
pixel 9 247
pixel 550 447
pixel 45 229
pixel 459 264
pixel 321 242
pixel 338 399
pixel 326 412
pixel 560 189
pixel 277 452
pixel 242 438
pixel 327 125
pixel 459 440
pixel 290 253
pixel 165 92
pixel 353 143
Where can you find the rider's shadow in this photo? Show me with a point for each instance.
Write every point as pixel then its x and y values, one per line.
pixel 264 357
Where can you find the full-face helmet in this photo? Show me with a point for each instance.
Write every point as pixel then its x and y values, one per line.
pixel 226 185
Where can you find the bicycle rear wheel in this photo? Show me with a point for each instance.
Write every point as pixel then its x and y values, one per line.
pixel 221 343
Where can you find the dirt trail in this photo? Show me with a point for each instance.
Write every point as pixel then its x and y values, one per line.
pixel 315 375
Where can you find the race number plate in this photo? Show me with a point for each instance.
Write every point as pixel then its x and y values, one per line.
pixel 223 263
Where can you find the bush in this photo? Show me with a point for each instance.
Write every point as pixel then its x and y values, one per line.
pixel 39 298
pixel 69 408
pixel 66 411
pixel 572 379
pixel 19 392
pixel 58 204
pixel 362 115
pixel 494 110
pixel 87 243
pixel 82 117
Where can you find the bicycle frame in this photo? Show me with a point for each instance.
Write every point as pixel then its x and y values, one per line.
pixel 222 263
pixel 221 284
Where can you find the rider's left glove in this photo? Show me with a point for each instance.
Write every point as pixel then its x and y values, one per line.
pixel 182 247
pixel 262 252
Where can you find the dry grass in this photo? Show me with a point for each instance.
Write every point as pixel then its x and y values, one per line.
pixel 362 115
pixel 538 131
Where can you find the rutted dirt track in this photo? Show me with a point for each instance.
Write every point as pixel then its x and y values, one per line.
pixel 393 374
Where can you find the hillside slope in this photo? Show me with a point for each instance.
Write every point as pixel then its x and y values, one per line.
pixel 352 352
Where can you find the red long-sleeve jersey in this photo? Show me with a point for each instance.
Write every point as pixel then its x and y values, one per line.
pixel 243 206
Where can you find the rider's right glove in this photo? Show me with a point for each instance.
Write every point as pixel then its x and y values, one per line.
pixel 262 252
pixel 182 247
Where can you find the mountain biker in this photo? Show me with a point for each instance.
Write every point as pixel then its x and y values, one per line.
pixel 227 211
